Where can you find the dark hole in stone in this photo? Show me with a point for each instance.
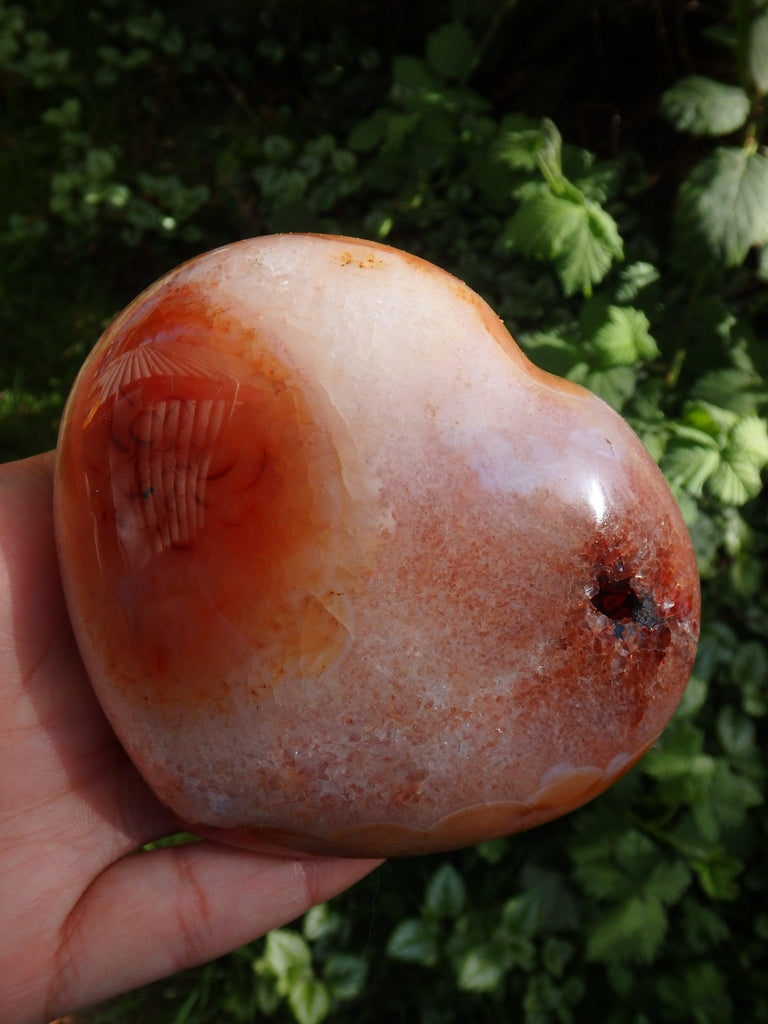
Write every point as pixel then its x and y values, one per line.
pixel 617 600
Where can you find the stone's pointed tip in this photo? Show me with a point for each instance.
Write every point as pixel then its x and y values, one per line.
pixel 347 571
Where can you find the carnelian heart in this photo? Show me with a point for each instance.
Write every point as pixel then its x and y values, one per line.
pixel 347 572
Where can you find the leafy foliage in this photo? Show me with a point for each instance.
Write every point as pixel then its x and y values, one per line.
pixel 634 264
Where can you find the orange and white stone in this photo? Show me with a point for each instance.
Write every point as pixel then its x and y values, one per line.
pixel 347 572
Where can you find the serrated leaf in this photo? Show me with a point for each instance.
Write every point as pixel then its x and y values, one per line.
pixel 624 338
pixel 669 880
pixel 592 245
pixel 445 893
pixel 698 993
pixel 413 941
pixel 450 50
pixel 703 106
pixel 750 436
pixel 520 149
pixel 630 933
pixel 733 795
pixel 690 459
pixel 717 874
pixel 724 204
pixel 601 879
pixel 757 54
pixel 736 479
pixel 704 927
pixel 634 279
pixel 615 384
pixel 679 753
pixel 578 236
pixel 739 390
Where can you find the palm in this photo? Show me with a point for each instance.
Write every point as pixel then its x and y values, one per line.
pixel 84 919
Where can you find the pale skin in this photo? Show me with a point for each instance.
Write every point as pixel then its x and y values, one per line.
pixel 82 919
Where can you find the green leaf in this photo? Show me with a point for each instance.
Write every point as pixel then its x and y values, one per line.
pixel 413 941
pixel 577 235
pixel 758 52
pixel 669 880
pixel 717 874
pixel 703 106
pixel 740 390
pixel 550 156
pixel 704 927
pixel 446 893
pixel 286 953
pixel 614 384
pixel 555 955
pixel 737 478
pixel 749 671
pixel 310 1001
pixel 345 975
pixel 320 922
pixel 733 483
pixel 629 933
pixel 689 463
pixel 551 351
pixel 624 338
pixel 732 795
pixel 481 969
pixel 410 73
pixel 493 851
pixel 367 134
pixel 724 205
pixel 450 50
pixel 545 904
pixel 698 993
pixel 634 279
pixel 750 436
pixel 520 149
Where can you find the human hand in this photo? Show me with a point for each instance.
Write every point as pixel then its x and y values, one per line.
pixel 80 917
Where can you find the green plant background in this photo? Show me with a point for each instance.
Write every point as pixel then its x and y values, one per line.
pixel 598 172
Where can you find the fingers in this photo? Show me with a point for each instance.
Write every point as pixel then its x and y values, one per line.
pixel 151 915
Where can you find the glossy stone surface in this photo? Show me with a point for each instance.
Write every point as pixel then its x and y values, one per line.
pixel 347 572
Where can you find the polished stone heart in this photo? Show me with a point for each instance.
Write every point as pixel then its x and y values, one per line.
pixel 350 574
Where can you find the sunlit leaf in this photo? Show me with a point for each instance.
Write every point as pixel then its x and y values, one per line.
pixel 286 952
pixel 624 338
pixel 310 1001
pixel 703 106
pixel 724 205
pixel 758 51
pixel 577 235
pixel 481 969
